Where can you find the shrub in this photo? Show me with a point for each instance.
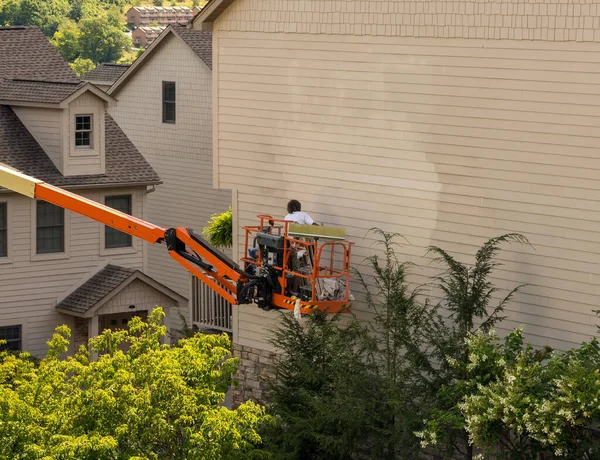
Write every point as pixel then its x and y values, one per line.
pixel 220 229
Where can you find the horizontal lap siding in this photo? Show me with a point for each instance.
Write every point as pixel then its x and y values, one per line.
pixel 448 142
pixel 29 288
pixel 181 153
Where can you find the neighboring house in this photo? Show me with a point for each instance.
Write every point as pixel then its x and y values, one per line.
pixel 447 122
pixel 105 74
pixel 57 267
pixel 165 109
pixel 162 15
pixel 145 35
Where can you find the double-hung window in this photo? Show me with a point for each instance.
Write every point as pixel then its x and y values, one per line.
pixel 83 131
pixel 115 238
pixel 3 230
pixel 50 231
pixel 11 335
pixel 168 98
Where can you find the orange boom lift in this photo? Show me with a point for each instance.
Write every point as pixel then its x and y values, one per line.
pixel 271 277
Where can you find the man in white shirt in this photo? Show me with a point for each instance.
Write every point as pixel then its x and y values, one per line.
pixel 296 214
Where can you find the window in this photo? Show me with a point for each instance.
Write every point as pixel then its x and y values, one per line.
pixel 12 336
pixel 3 231
pixel 168 102
pixel 114 238
pixel 50 221
pixel 83 131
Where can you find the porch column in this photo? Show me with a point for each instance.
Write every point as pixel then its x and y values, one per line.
pixel 93 331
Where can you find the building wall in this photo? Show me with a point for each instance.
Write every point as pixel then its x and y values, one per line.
pixel 45 126
pixel 181 153
pixel 392 116
pixel 30 284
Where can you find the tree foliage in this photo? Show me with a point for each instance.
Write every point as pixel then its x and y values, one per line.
pixel 98 38
pixel 45 14
pixel 220 229
pixel 345 390
pixel 151 402
pixel 82 66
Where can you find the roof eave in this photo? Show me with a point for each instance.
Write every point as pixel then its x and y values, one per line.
pixel 42 105
pixel 90 186
pixel 206 17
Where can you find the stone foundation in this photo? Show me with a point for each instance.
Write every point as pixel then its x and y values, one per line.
pixel 255 368
pixel 80 332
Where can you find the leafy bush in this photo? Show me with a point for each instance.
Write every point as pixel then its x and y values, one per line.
pixel 151 402
pixel 220 229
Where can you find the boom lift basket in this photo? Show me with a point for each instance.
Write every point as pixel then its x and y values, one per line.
pixel 306 263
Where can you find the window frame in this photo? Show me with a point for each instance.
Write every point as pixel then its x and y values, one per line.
pixel 4 229
pixel 90 131
pixel 108 230
pixel 35 248
pixel 165 102
pixel 20 339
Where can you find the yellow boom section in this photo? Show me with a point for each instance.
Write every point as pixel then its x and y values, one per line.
pixel 17 182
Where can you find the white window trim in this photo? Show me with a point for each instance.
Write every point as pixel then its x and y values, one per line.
pixel 24 329
pixel 53 255
pixel 83 147
pixel 133 249
pixel 8 258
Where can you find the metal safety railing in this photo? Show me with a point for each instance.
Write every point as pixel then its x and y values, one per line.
pixel 210 310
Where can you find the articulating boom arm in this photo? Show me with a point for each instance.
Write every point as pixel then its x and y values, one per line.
pixel 213 268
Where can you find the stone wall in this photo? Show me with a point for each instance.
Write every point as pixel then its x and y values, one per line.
pixel 80 332
pixel 255 368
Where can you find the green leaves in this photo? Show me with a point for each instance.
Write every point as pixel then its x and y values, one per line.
pixel 152 401
pixel 220 229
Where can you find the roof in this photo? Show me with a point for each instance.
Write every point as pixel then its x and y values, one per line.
pixel 46 92
pixel 199 41
pixel 211 11
pixel 25 53
pixel 106 71
pixel 124 163
pixel 104 285
pixel 95 289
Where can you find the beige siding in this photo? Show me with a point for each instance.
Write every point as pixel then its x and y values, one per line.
pixel 448 142
pixel 547 20
pixel 30 285
pixel 82 161
pixel 45 126
pixel 181 153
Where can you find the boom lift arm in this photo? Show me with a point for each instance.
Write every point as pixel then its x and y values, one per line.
pixel 212 267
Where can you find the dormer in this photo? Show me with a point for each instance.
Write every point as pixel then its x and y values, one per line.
pixel 67 119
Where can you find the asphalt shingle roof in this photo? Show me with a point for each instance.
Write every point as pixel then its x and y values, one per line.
pixel 45 92
pixel 124 163
pixel 200 41
pixel 95 289
pixel 25 53
pixel 106 72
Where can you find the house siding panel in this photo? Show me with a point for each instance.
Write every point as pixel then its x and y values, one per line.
pixel 29 288
pixel 45 126
pixel 181 153
pixel 446 141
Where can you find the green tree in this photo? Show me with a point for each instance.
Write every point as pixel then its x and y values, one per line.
pixel 82 66
pixel 84 8
pixel 157 2
pixel 102 38
pixel 152 402
pixel 67 40
pixel 45 14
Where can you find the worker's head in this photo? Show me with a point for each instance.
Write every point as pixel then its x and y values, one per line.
pixel 294 206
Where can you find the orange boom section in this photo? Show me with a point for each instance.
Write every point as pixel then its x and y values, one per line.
pixel 285 265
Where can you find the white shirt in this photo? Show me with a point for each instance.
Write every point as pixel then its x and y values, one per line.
pixel 300 217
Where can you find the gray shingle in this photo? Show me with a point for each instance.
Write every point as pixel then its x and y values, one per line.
pixel 25 53
pixel 44 92
pixel 95 289
pixel 200 41
pixel 106 72
pixel 124 163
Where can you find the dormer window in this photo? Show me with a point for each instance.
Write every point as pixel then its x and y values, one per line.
pixel 83 131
